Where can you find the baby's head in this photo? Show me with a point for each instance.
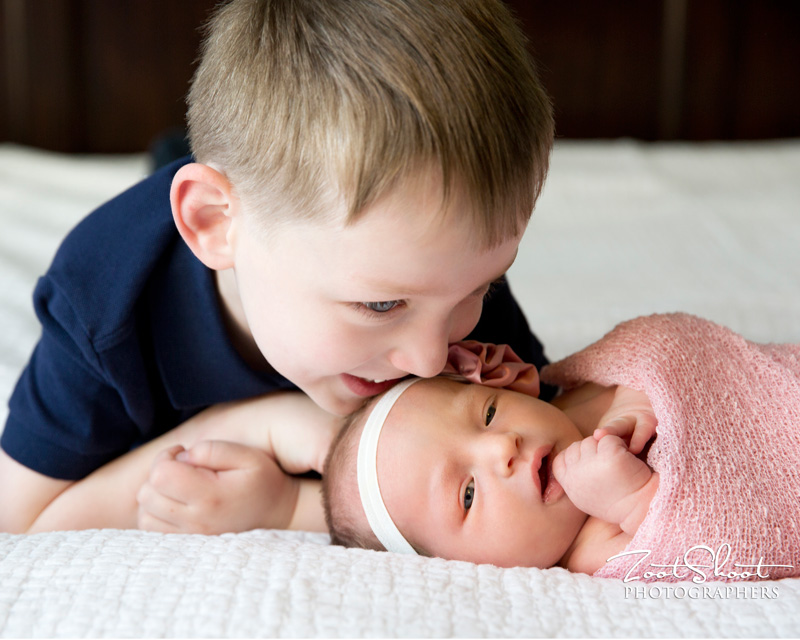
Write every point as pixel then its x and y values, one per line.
pixel 456 470
pixel 312 105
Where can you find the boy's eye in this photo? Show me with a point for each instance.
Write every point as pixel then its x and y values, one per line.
pixel 490 414
pixel 381 307
pixel 469 494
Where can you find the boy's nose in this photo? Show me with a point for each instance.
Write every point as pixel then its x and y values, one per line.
pixel 424 353
pixel 422 363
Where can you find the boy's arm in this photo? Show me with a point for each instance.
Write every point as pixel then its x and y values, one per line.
pixel 108 497
pixel 309 514
pixel 25 494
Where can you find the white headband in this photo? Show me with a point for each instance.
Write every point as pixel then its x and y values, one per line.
pixel 367 469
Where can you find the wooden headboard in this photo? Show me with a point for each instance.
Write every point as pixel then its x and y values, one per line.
pixel 110 75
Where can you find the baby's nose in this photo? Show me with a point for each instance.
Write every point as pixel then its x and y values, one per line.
pixel 502 450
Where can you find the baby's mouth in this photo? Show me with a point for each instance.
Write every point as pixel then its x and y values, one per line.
pixel 540 469
pixel 544 474
pixel 551 489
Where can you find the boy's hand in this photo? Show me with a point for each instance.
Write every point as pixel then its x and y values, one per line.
pixel 602 477
pixel 630 417
pixel 216 487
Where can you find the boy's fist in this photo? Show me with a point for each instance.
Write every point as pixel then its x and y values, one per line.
pixel 216 487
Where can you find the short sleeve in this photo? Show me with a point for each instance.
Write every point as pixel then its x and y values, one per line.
pixel 65 419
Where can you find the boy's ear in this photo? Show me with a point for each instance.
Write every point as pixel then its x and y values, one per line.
pixel 203 207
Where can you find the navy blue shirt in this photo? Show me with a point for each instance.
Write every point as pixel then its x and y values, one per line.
pixel 133 341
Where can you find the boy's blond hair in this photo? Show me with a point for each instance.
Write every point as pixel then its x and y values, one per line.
pixel 308 103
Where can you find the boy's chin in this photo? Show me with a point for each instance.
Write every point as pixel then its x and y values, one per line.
pixel 335 401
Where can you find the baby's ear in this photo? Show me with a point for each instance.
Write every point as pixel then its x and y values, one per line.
pixel 203 206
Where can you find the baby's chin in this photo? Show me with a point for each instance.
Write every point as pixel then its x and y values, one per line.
pixel 571 521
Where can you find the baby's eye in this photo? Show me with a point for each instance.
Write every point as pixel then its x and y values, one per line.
pixel 469 494
pixel 490 414
pixel 381 307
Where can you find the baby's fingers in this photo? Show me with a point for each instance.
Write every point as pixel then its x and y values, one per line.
pixel 645 429
pixel 571 457
pixel 565 460
pixel 611 444
pixel 559 466
pixel 621 427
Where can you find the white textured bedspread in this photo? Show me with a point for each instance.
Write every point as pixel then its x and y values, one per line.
pixel 266 583
pixel 622 230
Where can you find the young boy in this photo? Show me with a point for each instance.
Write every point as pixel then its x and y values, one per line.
pixel 362 174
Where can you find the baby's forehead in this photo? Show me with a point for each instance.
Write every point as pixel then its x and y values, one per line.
pixel 442 388
pixel 431 397
pixel 423 396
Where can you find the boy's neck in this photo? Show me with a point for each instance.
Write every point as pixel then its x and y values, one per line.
pixel 235 321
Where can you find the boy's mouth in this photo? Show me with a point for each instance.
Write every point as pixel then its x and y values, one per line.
pixel 366 388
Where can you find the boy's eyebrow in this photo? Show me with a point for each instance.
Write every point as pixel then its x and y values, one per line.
pixel 399 290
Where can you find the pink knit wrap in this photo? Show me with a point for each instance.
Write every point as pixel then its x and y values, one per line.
pixel 727 446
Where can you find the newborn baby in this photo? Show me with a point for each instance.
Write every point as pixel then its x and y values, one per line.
pixel 490 475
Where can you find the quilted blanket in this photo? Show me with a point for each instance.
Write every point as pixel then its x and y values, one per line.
pixel 727 448
pixel 277 584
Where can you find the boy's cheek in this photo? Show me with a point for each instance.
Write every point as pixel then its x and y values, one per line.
pixel 467 320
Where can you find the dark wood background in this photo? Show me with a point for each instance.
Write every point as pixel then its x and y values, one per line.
pixel 110 75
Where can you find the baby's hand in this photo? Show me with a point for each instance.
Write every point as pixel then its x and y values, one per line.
pixel 629 417
pixel 602 477
pixel 215 487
